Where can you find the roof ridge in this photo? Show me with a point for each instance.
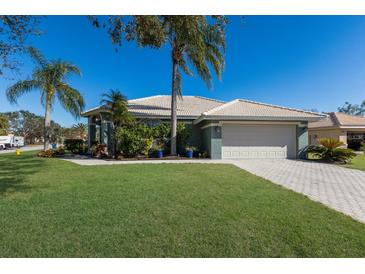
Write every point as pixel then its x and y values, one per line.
pixel 206 98
pixel 144 98
pixel 220 107
pixel 281 107
pixel 333 116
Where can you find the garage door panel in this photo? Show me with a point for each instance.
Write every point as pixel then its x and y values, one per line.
pixel 258 141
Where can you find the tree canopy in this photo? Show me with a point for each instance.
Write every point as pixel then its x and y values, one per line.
pixel 353 109
pixel 14 33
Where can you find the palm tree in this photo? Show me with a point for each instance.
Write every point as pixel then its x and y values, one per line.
pixel 199 42
pixel 81 130
pixel 118 106
pixel 50 78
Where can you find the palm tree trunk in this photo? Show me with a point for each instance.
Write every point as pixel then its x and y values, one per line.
pixel 173 107
pixel 47 125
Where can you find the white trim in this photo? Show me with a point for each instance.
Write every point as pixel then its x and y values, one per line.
pixel 352 127
pixel 211 125
pixel 256 118
pixel 259 123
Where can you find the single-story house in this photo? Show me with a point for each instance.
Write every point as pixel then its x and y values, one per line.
pixel 348 129
pixel 236 129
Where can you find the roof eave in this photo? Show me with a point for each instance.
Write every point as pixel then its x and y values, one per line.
pixel 255 118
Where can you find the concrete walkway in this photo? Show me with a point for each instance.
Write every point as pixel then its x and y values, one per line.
pixel 337 187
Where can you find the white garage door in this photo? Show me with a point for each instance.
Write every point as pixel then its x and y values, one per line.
pixel 258 141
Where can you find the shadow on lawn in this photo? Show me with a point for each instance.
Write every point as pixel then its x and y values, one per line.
pixel 14 170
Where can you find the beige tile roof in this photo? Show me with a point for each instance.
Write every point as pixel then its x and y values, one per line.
pixel 249 109
pixel 350 120
pixel 200 108
pixel 160 106
pixel 338 119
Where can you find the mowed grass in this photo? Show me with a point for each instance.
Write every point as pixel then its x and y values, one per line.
pixel 358 162
pixel 53 208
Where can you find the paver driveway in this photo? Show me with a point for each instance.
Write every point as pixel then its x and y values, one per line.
pixel 337 187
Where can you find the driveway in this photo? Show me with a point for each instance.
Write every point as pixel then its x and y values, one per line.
pixel 26 148
pixel 339 188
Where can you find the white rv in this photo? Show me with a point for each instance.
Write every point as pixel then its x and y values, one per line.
pixel 6 141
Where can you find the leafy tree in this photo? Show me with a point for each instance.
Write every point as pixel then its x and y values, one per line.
pixel 14 31
pixel 80 130
pixel 30 126
pixel 4 125
pixel 50 77
pixel 351 109
pixel 145 30
pixel 197 40
pixel 118 106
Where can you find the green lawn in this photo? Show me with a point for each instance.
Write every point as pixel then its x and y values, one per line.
pixel 358 162
pixel 53 208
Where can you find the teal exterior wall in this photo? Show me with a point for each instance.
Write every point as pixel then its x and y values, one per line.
pixel 212 141
pixel 91 132
pixel 302 141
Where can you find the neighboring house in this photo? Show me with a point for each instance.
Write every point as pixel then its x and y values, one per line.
pixel 237 129
pixel 348 129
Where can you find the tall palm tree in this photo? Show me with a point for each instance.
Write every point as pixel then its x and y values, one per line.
pixel 81 130
pixel 50 78
pixel 118 106
pixel 199 41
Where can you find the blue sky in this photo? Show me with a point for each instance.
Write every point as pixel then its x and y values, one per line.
pixel 308 62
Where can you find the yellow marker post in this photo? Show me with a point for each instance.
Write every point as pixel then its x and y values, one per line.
pixel 17 152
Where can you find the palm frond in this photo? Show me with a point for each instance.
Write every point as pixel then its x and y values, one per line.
pixel 20 88
pixel 70 98
pixel 38 57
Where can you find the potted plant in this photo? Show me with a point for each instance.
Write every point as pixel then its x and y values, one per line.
pixel 190 151
pixel 159 149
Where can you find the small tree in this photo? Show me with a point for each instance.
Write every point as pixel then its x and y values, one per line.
pixel 330 150
pixel 80 130
pixel 118 106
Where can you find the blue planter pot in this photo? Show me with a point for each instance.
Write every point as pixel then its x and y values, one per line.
pixel 189 154
pixel 159 153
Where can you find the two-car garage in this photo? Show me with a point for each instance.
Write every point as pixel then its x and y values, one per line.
pixel 247 141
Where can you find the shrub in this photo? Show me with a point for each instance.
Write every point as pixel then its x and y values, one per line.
pixel 74 145
pixel 99 150
pixel 130 141
pixel 354 144
pixel 50 153
pixel 330 150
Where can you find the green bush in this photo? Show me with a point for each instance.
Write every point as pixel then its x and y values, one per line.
pixel 74 145
pixel 330 150
pixel 140 139
pixel 132 141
